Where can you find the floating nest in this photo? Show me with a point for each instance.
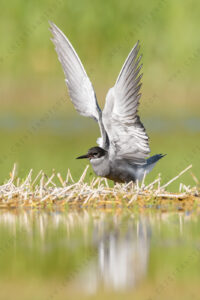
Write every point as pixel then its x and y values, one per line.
pixel 42 191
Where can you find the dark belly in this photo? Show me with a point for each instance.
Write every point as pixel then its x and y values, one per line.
pixel 122 173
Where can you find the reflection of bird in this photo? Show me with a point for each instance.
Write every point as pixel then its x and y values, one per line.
pixel 123 146
pixel 122 256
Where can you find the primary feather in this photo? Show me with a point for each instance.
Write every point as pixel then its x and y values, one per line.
pixel 80 88
pixel 126 132
pixel 79 85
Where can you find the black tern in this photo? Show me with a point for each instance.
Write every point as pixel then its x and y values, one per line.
pixel 124 145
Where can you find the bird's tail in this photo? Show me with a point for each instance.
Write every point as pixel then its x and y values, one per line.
pixel 154 159
pixel 151 161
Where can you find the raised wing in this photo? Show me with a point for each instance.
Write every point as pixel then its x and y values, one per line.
pixel 126 133
pixel 80 88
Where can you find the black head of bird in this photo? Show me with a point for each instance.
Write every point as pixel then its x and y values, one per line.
pixel 94 152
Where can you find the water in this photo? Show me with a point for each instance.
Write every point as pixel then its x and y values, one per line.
pixel 60 126
pixel 91 253
pixel 54 143
pixel 122 255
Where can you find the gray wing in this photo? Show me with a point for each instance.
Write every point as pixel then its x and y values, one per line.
pixel 126 133
pixel 80 88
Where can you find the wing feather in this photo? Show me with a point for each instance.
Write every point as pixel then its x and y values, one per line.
pixel 80 88
pixel 79 85
pixel 127 135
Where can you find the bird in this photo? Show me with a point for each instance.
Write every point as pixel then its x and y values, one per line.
pixel 122 154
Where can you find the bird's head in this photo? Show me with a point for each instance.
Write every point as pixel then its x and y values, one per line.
pixel 93 153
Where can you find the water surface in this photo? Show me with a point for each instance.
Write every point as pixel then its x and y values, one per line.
pixel 90 253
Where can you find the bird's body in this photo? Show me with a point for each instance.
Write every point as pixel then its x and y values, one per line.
pixel 123 146
pixel 119 170
pixel 122 170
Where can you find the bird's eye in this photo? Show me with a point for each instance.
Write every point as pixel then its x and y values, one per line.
pixel 95 154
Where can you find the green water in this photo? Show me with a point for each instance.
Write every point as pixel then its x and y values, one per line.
pixel 47 150
pixel 94 253
pixel 32 82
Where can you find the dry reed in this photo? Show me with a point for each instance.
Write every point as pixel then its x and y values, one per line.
pixel 42 191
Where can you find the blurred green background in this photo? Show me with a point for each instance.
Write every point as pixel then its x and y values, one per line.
pixel 39 128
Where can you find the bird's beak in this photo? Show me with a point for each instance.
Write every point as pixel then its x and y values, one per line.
pixel 83 156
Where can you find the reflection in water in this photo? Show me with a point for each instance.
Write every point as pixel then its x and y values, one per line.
pixel 122 256
pixel 120 245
